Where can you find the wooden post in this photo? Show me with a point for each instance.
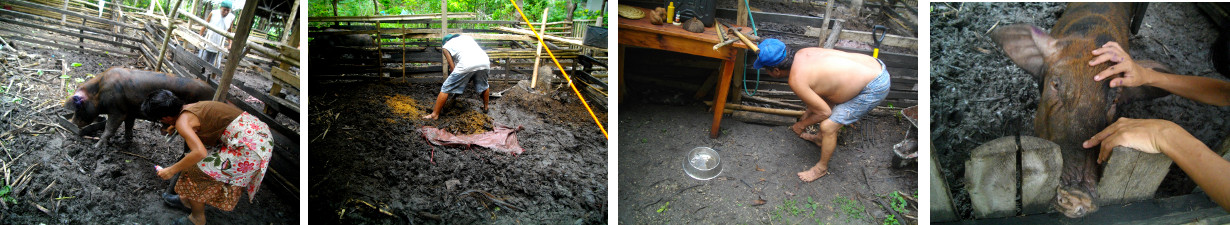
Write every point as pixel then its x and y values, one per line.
pixel 728 67
pixel 290 22
pixel 1131 175
pixel 538 56
pixel 1041 166
pixel 237 49
pixel 443 31
pixel 162 51
pixel 941 202
pixel 991 178
pixel 828 15
pixel 571 7
pixel 64 18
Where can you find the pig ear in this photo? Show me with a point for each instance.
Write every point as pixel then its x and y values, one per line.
pixel 1027 45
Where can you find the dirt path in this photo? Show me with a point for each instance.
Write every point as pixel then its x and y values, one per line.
pixel 366 147
pixel 759 162
pixel 115 184
pixel 978 94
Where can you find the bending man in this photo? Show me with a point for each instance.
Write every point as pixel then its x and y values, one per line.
pixel 837 87
pixel 466 61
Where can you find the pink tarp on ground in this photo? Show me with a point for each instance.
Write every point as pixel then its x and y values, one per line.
pixel 502 139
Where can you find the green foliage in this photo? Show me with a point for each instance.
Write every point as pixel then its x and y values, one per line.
pixel 6 195
pixel 852 208
pixel 792 207
pixel 898 202
pixel 663 208
pixel 890 220
pixel 76 64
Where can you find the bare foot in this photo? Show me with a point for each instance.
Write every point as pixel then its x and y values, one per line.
pixel 811 137
pixel 432 116
pixel 797 130
pixel 812 174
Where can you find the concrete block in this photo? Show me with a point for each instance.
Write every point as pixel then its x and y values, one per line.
pixel 1041 166
pixel 991 178
pixel 1131 175
pixel 941 203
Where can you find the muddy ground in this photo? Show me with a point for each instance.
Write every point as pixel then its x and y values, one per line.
pixel 111 185
pixel 978 94
pixel 367 148
pixel 759 162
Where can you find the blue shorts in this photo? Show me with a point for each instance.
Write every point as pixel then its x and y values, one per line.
pixel 456 82
pixel 871 96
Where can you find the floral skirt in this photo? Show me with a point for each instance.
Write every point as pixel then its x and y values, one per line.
pixel 239 164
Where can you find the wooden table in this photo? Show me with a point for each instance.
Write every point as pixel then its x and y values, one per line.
pixel 641 33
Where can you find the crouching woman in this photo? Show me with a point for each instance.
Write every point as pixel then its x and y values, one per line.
pixel 240 147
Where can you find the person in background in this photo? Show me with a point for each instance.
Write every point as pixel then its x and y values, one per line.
pixel 466 61
pixel 238 152
pixel 220 18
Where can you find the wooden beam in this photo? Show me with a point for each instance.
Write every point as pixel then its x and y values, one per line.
pixel 432 16
pixel 545 37
pixel 70 13
pixel 65 26
pixel 68 33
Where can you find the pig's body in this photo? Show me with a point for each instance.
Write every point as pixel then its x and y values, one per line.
pixel 118 92
pixel 1072 106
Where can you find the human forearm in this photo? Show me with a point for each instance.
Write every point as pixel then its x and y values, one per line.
pixel 190 159
pixel 1202 165
pixel 1201 89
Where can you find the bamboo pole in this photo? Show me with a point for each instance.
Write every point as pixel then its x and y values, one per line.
pixel 443 28
pixel 538 55
pixel 783 112
pixel 237 46
pixel 290 22
pixel 162 51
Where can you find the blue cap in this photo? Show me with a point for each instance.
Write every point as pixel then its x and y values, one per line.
pixel 772 52
pixel 448 37
pixel 225 4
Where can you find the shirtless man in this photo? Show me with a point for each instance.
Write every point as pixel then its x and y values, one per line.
pixel 837 87
pixel 466 61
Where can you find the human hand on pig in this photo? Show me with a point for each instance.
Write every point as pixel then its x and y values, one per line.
pixel 1132 74
pixel 1145 135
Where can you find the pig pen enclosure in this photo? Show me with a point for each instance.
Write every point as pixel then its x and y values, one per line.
pixel 53 175
pixel 375 75
pixel 663 116
pixel 979 95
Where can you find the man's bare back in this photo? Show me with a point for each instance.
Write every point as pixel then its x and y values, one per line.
pixel 834 75
pixel 823 79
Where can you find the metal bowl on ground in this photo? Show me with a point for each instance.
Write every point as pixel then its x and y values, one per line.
pixel 702 163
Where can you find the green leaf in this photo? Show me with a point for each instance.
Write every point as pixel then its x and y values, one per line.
pixel 40 72
pixel 89 75
pixel 78 80
pixel 663 209
pixel 65 76
pixel 76 64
